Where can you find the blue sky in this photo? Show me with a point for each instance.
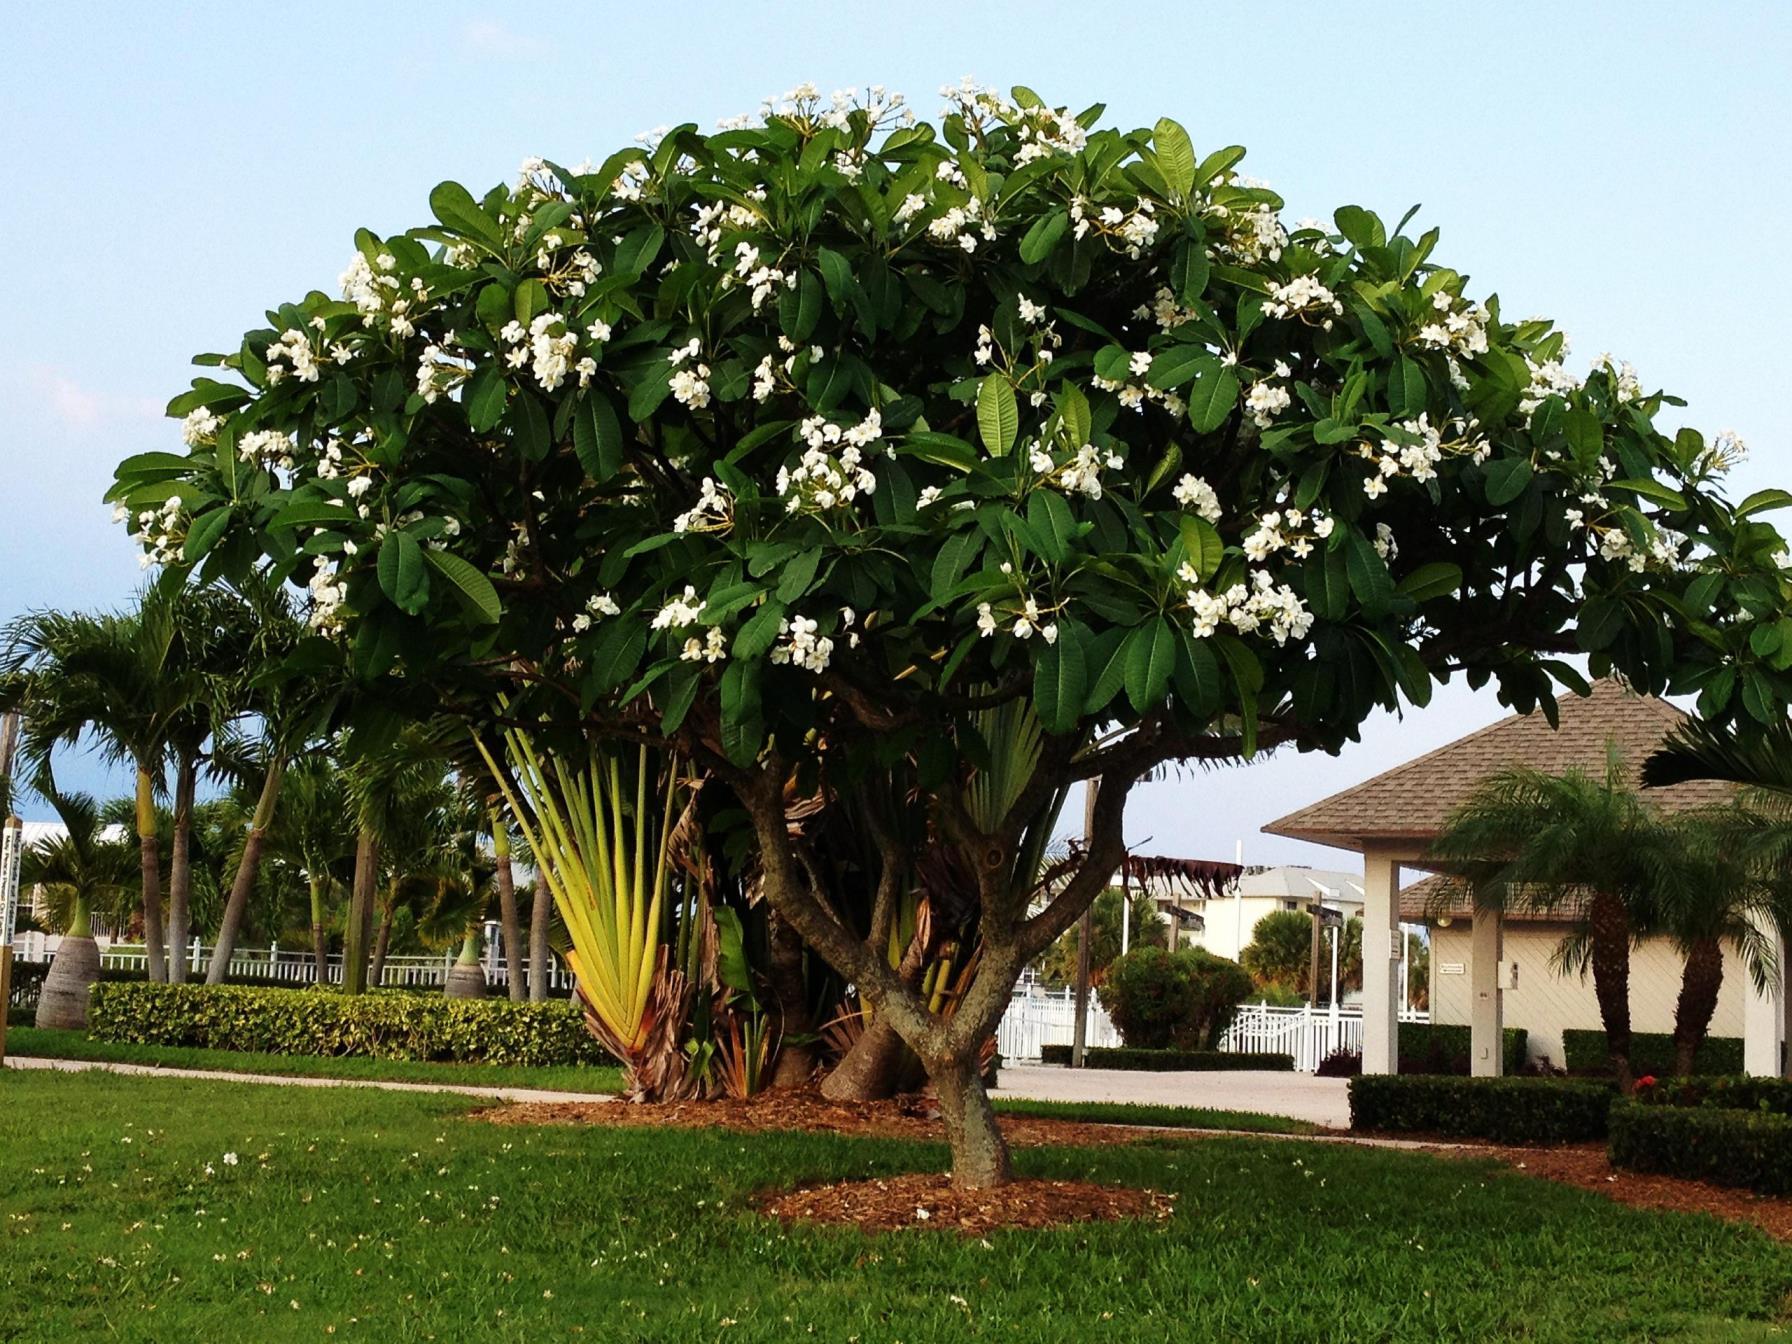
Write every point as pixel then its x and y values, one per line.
pixel 174 171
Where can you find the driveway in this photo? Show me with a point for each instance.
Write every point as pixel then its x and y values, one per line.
pixel 1323 1101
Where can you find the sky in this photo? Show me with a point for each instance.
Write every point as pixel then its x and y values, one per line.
pixel 174 171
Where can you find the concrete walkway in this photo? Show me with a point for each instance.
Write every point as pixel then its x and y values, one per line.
pixel 1322 1101
pixel 295 1080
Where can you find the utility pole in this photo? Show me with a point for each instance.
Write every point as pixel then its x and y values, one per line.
pixel 1085 930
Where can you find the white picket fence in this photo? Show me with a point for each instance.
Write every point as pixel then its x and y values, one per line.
pixel 1308 1034
pixel 1037 1016
pixel 297 966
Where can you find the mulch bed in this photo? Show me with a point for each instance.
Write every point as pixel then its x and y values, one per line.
pixel 929 1201
pixel 806 1110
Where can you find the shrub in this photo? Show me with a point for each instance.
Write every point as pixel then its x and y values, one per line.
pixel 1340 1064
pixel 1584 1051
pixel 1435 1048
pixel 1505 1110
pixel 1185 998
pixel 322 1022
pixel 1167 1061
pixel 1730 1093
pixel 1752 1149
pixel 27 981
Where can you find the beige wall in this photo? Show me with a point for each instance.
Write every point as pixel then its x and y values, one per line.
pixel 1545 1001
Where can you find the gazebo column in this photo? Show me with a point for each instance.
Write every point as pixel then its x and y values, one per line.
pixel 1487 1009
pixel 1381 960
pixel 1763 1021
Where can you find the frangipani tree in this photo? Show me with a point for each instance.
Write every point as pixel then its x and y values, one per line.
pixel 797 445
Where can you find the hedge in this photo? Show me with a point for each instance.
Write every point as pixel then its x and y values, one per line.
pixel 1448 1049
pixel 1752 1149
pixel 1584 1051
pixel 1733 1093
pixel 1166 1061
pixel 324 1022
pixel 1504 1110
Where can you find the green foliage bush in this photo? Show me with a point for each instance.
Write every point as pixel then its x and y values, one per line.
pixel 1736 1092
pixel 1166 1061
pixel 1584 1051
pixel 1752 1149
pixel 1504 1110
pixel 322 1022
pixel 1185 999
pixel 1447 1049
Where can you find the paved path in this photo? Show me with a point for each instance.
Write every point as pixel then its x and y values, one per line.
pixel 1323 1101
pixel 295 1080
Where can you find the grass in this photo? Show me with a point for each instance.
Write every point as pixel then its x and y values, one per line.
pixel 391 1217
pixel 30 1041
pixel 1165 1116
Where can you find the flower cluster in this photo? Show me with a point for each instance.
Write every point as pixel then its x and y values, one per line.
pixel 159 530
pixel 1301 296
pixel 294 347
pixel 379 293
pixel 712 648
pixel 548 345
pixel 1289 530
pixel 1266 400
pixel 1079 474
pixel 800 645
pixel 1192 492
pixel 1457 328
pixel 690 385
pixel 597 606
pixel 680 611
pixel 713 511
pixel 831 471
pixel 1248 608
pixel 328 593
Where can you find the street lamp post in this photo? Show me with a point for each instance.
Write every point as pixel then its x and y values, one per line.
pixel 12 846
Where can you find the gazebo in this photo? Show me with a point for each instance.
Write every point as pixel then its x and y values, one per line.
pixel 1392 819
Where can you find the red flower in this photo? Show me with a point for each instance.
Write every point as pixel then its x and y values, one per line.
pixel 1647 1080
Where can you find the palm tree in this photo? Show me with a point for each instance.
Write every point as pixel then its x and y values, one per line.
pixel 76 870
pixel 312 834
pixel 1526 838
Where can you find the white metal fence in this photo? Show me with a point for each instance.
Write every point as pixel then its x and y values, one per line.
pixel 1038 1016
pixel 298 966
pixel 1308 1034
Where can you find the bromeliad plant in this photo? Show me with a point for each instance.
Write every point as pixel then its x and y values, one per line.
pixel 793 447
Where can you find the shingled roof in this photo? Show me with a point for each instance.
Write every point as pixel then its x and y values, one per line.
pixel 1411 802
pixel 1442 895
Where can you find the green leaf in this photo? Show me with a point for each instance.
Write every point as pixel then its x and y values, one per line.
pixel 1150 657
pixel 1178 364
pixel 1507 478
pixel 485 399
pixel 403 576
pixel 743 720
pixel 1360 227
pixel 798 575
pixel 1201 544
pixel 617 652
pixel 1328 584
pixel 1037 243
pixel 1407 390
pixel 1369 577
pixel 1437 579
pixel 597 436
pixel 531 298
pixel 1602 620
pixel 473 589
pixel 203 533
pixel 998 418
pixel 1053 525
pixel 454 205
pixel 1175 157
pixel 759 632
pixel 1648 489
pixel 1764 501
pixel 1060 680
pixel 1212 398
pixel 1197 674
pixel 950 561
pixel 941 449
pixel 312 513
pixel 799 309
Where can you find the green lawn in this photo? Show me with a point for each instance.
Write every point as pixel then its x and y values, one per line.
pixel 1164 1116
pixel 390 1217
pixel 77 1045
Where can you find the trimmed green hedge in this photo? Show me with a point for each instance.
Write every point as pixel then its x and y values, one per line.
pixel 1166 1061
pixel 1736 1092
pixel 324 1022
pixel 1650 1052
pixel 1504 1110
pixel 1442 1048
pixel 1752 1149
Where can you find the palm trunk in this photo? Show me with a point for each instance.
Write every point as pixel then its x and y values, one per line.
pixel 320 940
pixel 507 912
pixel 383 940
pixel 869 1070
pixel 1699 986
pixel 541 912
pixel 466 978
pixel 180 871
pixel 980 1156
pixel 360 912
pixel 1609 928
pixel 247 869
pixel 150 850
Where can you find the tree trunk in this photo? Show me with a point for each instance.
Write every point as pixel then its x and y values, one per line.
pixel 466 978
pixel 388 912
pixel 541 913
pixel 360 911
pixel 1699 985
pixel 979 1152
pixel 796 1061
pixel 150 851
pixel 247 869
pixel 180 872
pixel 320 940
pixel 75 969
pixel 868 1071
pixel 511 929
pixel 1609 928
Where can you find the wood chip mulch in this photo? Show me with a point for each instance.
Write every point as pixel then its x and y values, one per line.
pixel 929 1201
pixel 1587 1167
pixel 784 1110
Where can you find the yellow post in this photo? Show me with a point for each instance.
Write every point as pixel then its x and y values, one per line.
pixel 5 996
